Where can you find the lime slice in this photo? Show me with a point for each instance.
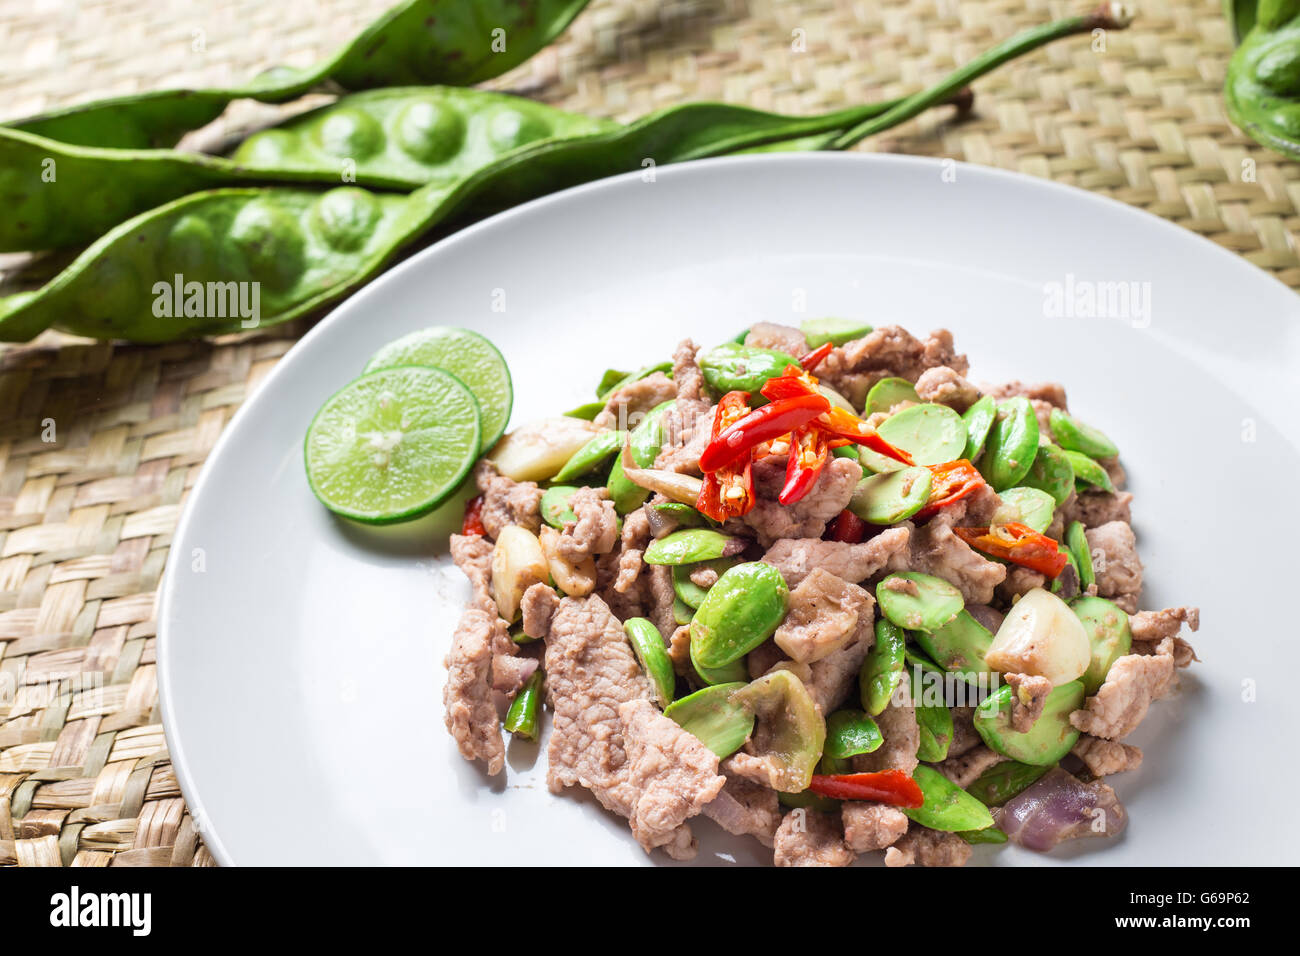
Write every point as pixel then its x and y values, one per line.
pixel 467 355
pixel 393 444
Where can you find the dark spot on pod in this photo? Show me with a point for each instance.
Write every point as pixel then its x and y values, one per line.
pixel 430 131
pixel 271 242
pixel 349 133
pixel 345 217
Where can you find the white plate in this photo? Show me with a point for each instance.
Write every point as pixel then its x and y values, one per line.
pixel 300 656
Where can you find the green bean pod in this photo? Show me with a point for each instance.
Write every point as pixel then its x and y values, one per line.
pixel 1262 86
pixel 456 42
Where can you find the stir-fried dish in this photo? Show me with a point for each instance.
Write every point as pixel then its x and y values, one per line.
pixel 815 585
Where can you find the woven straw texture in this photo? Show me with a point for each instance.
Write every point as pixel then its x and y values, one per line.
pixel 100 444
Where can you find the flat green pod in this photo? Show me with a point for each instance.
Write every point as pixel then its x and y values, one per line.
pixel 1088 472
pixel 554 505
pixel 592 455
pixel 1074 435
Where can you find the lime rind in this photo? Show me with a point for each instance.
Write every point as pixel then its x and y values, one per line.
pixel 392 445
pixel 470 357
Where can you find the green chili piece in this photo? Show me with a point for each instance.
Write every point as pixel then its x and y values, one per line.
pixel 521 718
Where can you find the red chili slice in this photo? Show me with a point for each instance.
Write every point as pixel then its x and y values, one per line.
pixel 1018 544
pixel 473 523
pixel 762 424
pixel 887 786
pixel 951 481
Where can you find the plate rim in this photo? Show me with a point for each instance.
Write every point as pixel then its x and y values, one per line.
pixel 340 312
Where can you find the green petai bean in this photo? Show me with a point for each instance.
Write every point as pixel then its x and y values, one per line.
pixel 958 646
pixel 1051 472
pixel 851 732
pixel 1262 86
pixel 932 434
pixel 1076 540
pixel 1047 741
pixel 713 719
pixel 727 674
pixel 399 138
pixel 456 42
pixel 887 393
pixel 882 669
pixel 934 721
pixel 690 593
pixel 592 455
pixel 1088 472
pixel 683 613
pixel 891 496
pixel 652 652
pixel 741 611
pixel 644 441
pixel 1073 435
pixel 730 367
pixel 606 387
pixel 918 602
pixel 817 332
pixel 1012 444
pixel 554 505
pixel 1029 506
pixel 1108 633
pixel 979 419
pixel 947 806
pixel 693 545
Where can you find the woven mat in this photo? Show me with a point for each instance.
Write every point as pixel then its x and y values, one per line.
pixel 99 444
